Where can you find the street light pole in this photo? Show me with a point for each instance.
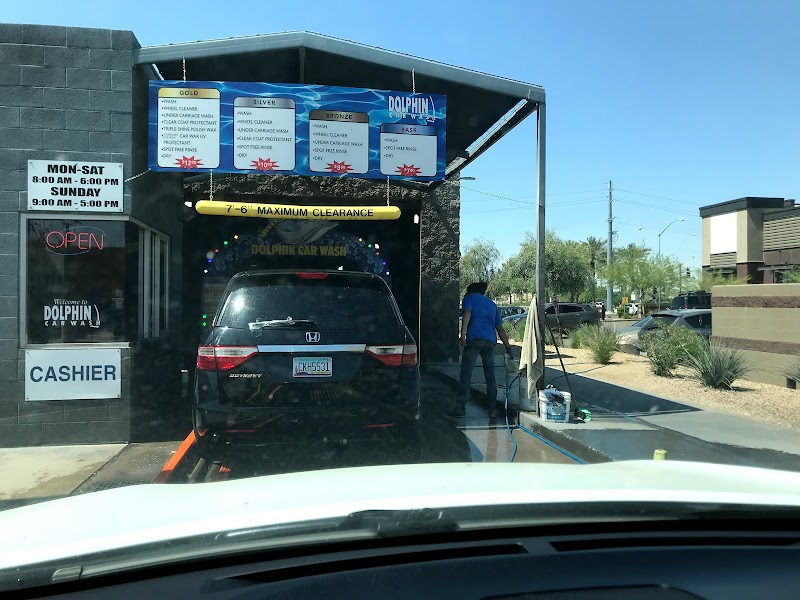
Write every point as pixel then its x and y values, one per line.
pixel 609 252
pixel 659 247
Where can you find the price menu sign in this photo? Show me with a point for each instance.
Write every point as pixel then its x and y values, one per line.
pixel 338 141
pixel 188 128
pixel 293 129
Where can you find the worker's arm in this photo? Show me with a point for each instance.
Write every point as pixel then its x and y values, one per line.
pixel 503 337
pixel 464 324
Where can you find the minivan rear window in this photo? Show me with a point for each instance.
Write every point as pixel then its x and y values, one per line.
pixel 332 303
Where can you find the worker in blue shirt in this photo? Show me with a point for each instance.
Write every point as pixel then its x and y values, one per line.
pixel 480 326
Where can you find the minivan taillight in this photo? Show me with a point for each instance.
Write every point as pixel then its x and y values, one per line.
pixel 223 358
pixel 401 355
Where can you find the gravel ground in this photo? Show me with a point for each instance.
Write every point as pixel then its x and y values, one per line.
pixel 758 401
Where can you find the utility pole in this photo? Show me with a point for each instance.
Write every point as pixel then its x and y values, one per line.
pixel 610 252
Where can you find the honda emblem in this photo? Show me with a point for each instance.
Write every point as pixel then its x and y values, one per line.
pixel 312 336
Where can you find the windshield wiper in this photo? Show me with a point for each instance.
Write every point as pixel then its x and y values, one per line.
pixel 287 322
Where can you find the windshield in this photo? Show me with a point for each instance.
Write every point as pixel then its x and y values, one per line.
pixel 326 304
pixel 248 248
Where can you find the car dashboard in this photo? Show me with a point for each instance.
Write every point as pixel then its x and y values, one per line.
pixel 662 561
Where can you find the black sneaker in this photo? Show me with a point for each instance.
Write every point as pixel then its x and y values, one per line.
pixel 457 411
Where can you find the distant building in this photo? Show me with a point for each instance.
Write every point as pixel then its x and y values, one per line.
pixel 756 238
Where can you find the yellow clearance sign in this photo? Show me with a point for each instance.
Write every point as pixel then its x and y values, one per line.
pixel 289 211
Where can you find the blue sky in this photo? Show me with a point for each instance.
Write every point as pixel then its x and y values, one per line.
pixel 680 103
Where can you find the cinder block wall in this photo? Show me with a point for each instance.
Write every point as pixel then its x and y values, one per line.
pixel 65 94
pixel 762 321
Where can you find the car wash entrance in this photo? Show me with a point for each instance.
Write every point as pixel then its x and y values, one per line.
pixel 216 248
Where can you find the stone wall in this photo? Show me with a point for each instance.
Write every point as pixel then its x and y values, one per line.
pixel 64 95
pixel 763 322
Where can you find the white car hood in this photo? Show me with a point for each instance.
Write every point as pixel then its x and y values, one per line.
pixel 125 517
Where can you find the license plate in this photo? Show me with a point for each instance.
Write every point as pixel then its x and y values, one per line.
pixel 317 366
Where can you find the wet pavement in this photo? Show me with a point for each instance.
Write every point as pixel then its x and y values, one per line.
pixel 51 472
pixel 438 438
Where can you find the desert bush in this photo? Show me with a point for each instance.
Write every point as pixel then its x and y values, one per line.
pixel 670 346
pixel 602 341
pixel 717 366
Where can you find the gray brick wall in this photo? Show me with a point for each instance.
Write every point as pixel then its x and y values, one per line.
pixel 61 88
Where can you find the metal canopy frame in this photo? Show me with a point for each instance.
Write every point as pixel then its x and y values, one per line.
pixel 302 48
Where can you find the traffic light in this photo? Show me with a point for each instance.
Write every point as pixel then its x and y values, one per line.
pixel 655 291
pixel 688 274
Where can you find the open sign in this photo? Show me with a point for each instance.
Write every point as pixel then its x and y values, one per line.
pixel 75 240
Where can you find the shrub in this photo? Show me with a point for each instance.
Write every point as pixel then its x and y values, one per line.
pixel 577 337
pixel 793 371
pixel 670 346
pixel 621 311
pixel 517 331
pixel 718 367
pixel 602 341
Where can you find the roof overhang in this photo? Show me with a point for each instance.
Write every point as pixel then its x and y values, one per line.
pixel 745 203
pixel 481 108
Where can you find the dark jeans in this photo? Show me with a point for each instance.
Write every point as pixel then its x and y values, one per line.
pixel 471 351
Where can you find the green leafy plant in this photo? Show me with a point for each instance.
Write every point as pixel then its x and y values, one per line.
pixel 577 337
pixel 717 366
pixel 602 341
pixel 517 331
pixel 670 346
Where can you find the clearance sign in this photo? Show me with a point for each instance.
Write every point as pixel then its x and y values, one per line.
pixel 288 211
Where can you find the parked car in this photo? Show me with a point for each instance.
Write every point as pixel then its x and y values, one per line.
pixel 570 315
pixel 320 355
pixel 510 311
pixel 698 320
pixel 691 300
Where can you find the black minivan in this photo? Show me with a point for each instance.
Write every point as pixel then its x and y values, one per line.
pixel 306 356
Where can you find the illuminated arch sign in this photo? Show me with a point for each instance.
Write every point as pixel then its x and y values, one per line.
pixel 289 238
pixel 293 129
pixel 289 211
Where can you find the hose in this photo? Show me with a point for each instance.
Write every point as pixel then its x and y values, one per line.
pixel 528 431
pixel 508 427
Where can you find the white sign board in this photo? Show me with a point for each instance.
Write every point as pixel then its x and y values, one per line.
pixel 722 233
pixel 82 374
pixel 60 185
pixel 188 128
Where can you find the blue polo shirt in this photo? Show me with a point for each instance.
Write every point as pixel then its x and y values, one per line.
pixel 485 317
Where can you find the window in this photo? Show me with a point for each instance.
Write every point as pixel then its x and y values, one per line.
pixel 75 281
pixel 154 275
pixel 693 321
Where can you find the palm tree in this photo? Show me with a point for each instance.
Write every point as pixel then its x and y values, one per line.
pixel 597 256
pixel 632 252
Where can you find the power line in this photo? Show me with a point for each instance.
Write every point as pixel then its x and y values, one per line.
pixel 565 193
pixel 660 197
pixel 656 207
pixel 552 205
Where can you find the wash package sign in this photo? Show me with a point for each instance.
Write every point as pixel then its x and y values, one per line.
pixel 265 128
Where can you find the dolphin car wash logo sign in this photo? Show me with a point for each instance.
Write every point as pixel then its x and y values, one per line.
pixel 412 106
pixel 71 313
pixel 75 240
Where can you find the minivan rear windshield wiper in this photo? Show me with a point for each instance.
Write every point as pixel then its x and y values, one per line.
pixel 287 322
